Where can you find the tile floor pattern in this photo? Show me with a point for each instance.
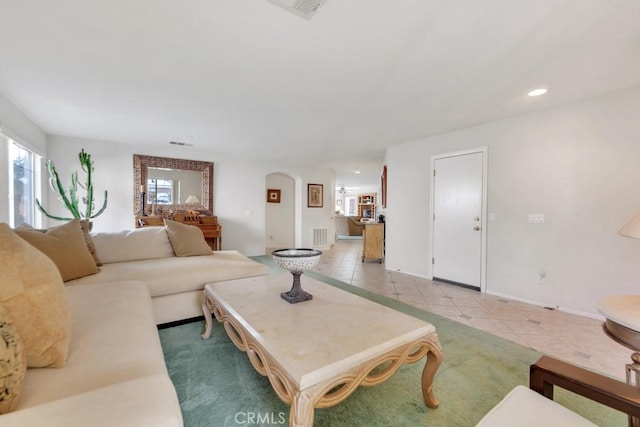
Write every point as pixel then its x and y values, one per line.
pixel 573 338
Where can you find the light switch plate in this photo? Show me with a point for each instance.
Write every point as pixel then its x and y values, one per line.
pixel 536 218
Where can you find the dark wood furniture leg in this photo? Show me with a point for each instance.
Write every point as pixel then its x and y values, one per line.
pixel 548 372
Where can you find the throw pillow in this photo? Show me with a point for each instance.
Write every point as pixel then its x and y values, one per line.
pixel 13 363
pixel 133 245
pixel 32 292
pixel 187 240
pixel 86 231
pixel 65 245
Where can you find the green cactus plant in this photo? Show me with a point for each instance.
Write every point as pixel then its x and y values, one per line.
pixel 71 201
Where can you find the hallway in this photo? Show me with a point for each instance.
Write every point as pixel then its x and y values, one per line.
pixel 573 338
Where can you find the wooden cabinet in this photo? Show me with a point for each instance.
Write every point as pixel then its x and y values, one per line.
pixel 373 242
pixel 208 224
pixel 367 205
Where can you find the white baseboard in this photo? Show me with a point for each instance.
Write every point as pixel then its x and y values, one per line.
pixel 545 305
pixel 525 300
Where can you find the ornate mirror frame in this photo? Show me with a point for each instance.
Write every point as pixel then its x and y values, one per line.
pixel 141 164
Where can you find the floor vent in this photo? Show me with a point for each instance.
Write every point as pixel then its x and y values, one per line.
pixel 319 237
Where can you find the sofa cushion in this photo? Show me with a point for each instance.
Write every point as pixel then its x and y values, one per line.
pixel 32 291
pixel 133 245
pixel 13 363
pixel 115 339
pixel 65 245
pixel 524 407
pixel 186 240
pixel 144 401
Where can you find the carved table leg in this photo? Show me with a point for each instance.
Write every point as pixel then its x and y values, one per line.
pixel 302 409
pixel 206 310
pixel 434 359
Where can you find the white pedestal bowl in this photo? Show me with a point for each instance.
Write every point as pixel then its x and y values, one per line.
pixel 296 261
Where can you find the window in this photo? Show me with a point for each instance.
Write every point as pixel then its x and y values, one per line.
pixel 24 185
pixel 350 208
pixel 161 191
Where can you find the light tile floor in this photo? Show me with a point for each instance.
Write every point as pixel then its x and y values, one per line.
pixel 576 339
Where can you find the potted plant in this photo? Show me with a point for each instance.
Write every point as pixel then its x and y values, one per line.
pixel 72 201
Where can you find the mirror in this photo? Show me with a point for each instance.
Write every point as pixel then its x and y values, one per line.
pixel 172 185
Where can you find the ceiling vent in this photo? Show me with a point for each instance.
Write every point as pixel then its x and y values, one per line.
pixel 182 144
pixel 304 8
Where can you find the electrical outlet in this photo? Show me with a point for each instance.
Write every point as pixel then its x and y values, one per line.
pixel 542 276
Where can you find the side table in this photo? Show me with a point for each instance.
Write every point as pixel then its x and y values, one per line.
pixel 622 324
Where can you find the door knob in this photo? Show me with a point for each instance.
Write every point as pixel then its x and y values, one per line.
pixel 476 228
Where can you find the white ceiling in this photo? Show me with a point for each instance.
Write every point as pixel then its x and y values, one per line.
pixel 247 76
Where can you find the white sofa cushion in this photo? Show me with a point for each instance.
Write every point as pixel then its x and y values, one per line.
pixel 178 274
pixel 133 245
pixel 114 339
pixel 146 401
pixel 524 407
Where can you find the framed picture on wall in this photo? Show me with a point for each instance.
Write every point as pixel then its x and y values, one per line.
pixel 314 195
pixel 273 196
pixel 383 186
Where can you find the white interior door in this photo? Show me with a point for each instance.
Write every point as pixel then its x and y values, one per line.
pixel 457 220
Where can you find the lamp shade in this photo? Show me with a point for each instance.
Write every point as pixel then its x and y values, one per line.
pixel 192 200
pixel 632 228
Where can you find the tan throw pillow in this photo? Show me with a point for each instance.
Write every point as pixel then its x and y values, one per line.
pixel 86 231
pixel 187 240
pixel 65 245
pixel 13 363
pixel 32 292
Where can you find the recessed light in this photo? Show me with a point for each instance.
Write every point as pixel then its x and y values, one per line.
pixel 537 92
pixel 356 171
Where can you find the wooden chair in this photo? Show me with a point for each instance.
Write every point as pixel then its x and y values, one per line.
pixel 534 406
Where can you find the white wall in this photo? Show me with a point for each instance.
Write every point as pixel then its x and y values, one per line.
pixel 579 165
pixel 239 188
pixel 16 125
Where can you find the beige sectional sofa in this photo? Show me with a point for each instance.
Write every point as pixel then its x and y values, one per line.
pixel 114 372
pixel 175 283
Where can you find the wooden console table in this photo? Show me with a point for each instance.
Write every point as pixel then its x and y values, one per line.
pixel 209 225
pixel 373 241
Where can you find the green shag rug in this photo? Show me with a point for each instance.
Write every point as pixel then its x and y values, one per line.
pixel 217 386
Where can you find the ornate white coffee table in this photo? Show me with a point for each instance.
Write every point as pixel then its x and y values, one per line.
pixel 316 353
